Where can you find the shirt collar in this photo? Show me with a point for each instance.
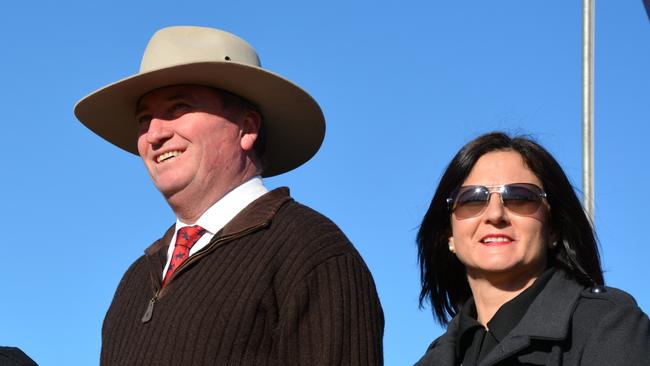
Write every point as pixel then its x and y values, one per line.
pixel 222 211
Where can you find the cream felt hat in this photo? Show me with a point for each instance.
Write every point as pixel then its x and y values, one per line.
pixel 293 121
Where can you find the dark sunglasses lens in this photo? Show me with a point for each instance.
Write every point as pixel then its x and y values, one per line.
pixel 470 201
pixel 522 199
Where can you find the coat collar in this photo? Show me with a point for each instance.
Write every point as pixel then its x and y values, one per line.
pixel 548 317
pixel 550 314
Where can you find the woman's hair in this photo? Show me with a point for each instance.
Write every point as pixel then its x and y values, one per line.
pixel 442 275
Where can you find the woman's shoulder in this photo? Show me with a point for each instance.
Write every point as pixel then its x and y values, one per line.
pixel 442 351
pixel 602 299
pixel 609 293
pixel 604 306
pixel 589 300
pixel 597 304
pixel 610 328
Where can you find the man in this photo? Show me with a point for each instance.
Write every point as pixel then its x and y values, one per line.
pixel 245 276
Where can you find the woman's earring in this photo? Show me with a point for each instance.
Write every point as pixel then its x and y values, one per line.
pixel 451 248
pixel 553 245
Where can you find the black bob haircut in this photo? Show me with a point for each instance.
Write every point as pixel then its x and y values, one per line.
pixel 442 275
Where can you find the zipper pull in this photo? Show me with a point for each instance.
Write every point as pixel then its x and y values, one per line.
pixel 149 312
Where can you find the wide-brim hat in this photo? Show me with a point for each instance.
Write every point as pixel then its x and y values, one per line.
pixel 293 122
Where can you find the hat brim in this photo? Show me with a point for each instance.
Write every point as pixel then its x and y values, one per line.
pixel 294 123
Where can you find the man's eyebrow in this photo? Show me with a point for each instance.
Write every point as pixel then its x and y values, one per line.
pixel 180 96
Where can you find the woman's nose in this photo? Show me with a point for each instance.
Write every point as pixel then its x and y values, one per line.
pixel 495 211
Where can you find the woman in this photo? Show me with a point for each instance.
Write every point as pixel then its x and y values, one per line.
pixel 507 251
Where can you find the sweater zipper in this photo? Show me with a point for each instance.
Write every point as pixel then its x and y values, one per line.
pixel 148 314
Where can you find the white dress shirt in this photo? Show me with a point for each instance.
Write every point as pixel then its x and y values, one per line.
pixel 220 213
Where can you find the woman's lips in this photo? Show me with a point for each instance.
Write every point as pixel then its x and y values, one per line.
pixel 496 240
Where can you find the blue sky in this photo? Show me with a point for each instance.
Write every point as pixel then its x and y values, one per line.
pixel 403 86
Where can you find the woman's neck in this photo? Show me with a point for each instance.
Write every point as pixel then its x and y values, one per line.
pixel 492 290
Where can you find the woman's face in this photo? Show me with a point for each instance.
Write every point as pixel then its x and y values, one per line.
pixel 499 243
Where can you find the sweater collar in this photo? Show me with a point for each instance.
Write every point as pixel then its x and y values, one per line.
pixel 225 209
pixel 258 213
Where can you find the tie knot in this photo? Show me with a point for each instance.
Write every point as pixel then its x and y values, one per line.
pixel 188 236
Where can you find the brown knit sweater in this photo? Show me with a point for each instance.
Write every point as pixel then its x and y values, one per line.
pixel 279 285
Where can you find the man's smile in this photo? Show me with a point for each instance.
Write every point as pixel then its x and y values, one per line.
pixel 168 155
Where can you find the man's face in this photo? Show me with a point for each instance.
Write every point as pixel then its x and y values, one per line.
pixel 188 141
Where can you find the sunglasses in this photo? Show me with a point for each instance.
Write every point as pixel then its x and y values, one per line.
pixel 520 198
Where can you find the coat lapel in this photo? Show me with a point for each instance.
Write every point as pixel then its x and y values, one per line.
pixel 547 318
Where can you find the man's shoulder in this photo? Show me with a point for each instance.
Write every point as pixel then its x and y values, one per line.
pixel 302 213
pixel 137 269
pixel 307 236
pixel 308 223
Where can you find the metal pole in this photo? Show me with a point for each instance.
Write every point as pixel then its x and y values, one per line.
pixel 588 106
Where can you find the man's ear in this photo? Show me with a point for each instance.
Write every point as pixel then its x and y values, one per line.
pixel 251 122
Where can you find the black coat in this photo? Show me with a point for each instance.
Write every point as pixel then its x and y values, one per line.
pixel 566 325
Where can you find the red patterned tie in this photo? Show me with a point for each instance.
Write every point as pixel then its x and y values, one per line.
pixel 185 239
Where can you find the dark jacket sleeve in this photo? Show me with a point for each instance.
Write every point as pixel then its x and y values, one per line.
pixel 621 337
pixel 12 356
pixel 333 317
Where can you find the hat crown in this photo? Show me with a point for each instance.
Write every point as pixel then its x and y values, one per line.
pixel 181 45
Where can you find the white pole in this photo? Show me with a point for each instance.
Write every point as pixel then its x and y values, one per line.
pixel 588 106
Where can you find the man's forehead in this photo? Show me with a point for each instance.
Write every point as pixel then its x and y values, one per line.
pixel 174 92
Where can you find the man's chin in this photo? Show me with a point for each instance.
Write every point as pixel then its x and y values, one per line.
pixel 170 189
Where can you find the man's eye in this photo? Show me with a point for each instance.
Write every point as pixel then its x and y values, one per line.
pixel 144 119
pixel 179 108
pixel 143 123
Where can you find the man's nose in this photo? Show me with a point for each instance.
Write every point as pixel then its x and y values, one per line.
pixel 159 131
